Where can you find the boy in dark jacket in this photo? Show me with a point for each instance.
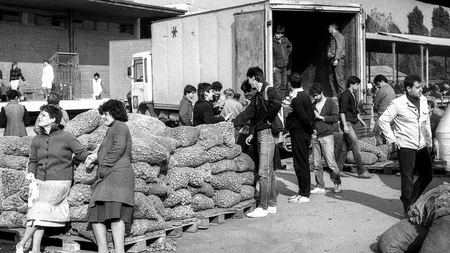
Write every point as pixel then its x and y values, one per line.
pixel 282 48
pixel 204 109
pixel 326 113
pixel 300 123
pixel 261 112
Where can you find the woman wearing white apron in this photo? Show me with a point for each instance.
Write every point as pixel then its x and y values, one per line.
pixel 97 87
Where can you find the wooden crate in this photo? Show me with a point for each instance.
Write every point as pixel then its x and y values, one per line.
pixel 176 228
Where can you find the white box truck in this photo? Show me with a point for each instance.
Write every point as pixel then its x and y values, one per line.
pixel 221 45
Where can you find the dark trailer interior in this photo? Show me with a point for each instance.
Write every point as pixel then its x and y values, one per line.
pixel 308 33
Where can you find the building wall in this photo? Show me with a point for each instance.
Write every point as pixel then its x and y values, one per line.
pixel 29 45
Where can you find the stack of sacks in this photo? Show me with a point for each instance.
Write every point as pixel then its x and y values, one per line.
pixel 369 151
pixel 178 171
pixel 13 188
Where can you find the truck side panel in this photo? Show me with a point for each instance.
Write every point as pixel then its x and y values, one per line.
pixel 207 42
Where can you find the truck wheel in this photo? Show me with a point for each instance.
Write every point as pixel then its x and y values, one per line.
pixel 148 110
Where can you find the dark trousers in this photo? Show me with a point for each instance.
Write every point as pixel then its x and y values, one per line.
pixel 280 82
pixel 336 76
pixel 300 143
pixel 421 161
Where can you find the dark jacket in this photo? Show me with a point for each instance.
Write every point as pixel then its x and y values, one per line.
pixel 347 105
pixel 330 112
pixel 14 117
pixel 204 113
pixel 51 155
pixel 281 52
pixel 16 74
pixel 115 175
pixel 186 111
pixel 301 119
pixel 336 48
pixel 258 114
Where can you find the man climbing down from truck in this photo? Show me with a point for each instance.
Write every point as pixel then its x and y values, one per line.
pixel 411 138
pixel 282 48
pixel 262 111
pixel 336 55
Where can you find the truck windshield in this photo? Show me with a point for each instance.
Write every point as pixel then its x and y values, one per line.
pixel 138 70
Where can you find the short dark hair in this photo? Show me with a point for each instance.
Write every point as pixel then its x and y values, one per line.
pixel 46 61
pixel 202 88
pixel 280 29
pixel 237 96
pixel 96 74
pixel 257 73
pixel 189 89
pixel 12 94
pixel 353 80
pixel 379 79
pixel 115 108
pixel 315 89
pixel 295 80
pixel 335 26
pixel 435 87
pixel 217 86
pixel 246 86
pixel 53 98
pixel 53 111
pixel 410 80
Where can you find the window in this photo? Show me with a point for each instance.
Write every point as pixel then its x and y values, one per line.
pixel 10 16
pixel 138 70
pixel 43 20
pixel 59 21
pixel 114 27
pixel 101 26
pixel 88 25
pixel 77 24
pixel 127 28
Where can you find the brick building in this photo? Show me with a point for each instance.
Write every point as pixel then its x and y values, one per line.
pixel 32 31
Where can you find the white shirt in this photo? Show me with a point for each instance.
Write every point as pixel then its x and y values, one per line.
pixel 97 86
pixel 47 74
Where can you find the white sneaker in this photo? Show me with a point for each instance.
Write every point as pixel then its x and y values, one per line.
pixel 257 213
pixel 272 209
pixel 293 197
pixel 300 199
pixel 337 188
pixel 318 190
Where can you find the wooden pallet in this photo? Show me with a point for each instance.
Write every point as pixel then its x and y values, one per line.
pixel 12 235
pixel 71 243
pixel 217 216
pixel 387 167
pixel 176 228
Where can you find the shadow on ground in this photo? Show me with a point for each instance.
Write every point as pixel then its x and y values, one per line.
pixel 387 206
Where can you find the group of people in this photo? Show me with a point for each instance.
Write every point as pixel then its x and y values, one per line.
pixel 50 168
pixel 48 77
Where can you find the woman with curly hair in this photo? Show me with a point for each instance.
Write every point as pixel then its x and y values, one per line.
pixel 112 200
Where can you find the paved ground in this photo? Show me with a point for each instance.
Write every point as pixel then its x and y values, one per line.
pixel 348 222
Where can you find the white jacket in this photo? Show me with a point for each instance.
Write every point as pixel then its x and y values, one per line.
pixel 47 74
pixel 409 129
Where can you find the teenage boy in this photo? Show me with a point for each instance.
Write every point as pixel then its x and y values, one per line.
pixel 349 115
pixel 327 114
pixel 300 123
pixel 261 112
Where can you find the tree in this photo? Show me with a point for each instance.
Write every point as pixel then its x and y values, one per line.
pixel 440 18
pixel 440 21
pixel 415 23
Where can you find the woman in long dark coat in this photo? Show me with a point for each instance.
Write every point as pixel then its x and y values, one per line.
pixel 112 200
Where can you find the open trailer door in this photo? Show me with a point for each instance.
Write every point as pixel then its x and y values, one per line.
pixel 249 33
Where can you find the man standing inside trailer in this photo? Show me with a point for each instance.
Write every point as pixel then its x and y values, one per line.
pixel 336 55
pixel 411 137
pixel 282 48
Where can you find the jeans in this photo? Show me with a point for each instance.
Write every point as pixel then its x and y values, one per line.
pixel 350 142
pixel 408 160
pixel 336 77
pixel 324 146
pixel 267 180
pixel 300 142
pixel 280 82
